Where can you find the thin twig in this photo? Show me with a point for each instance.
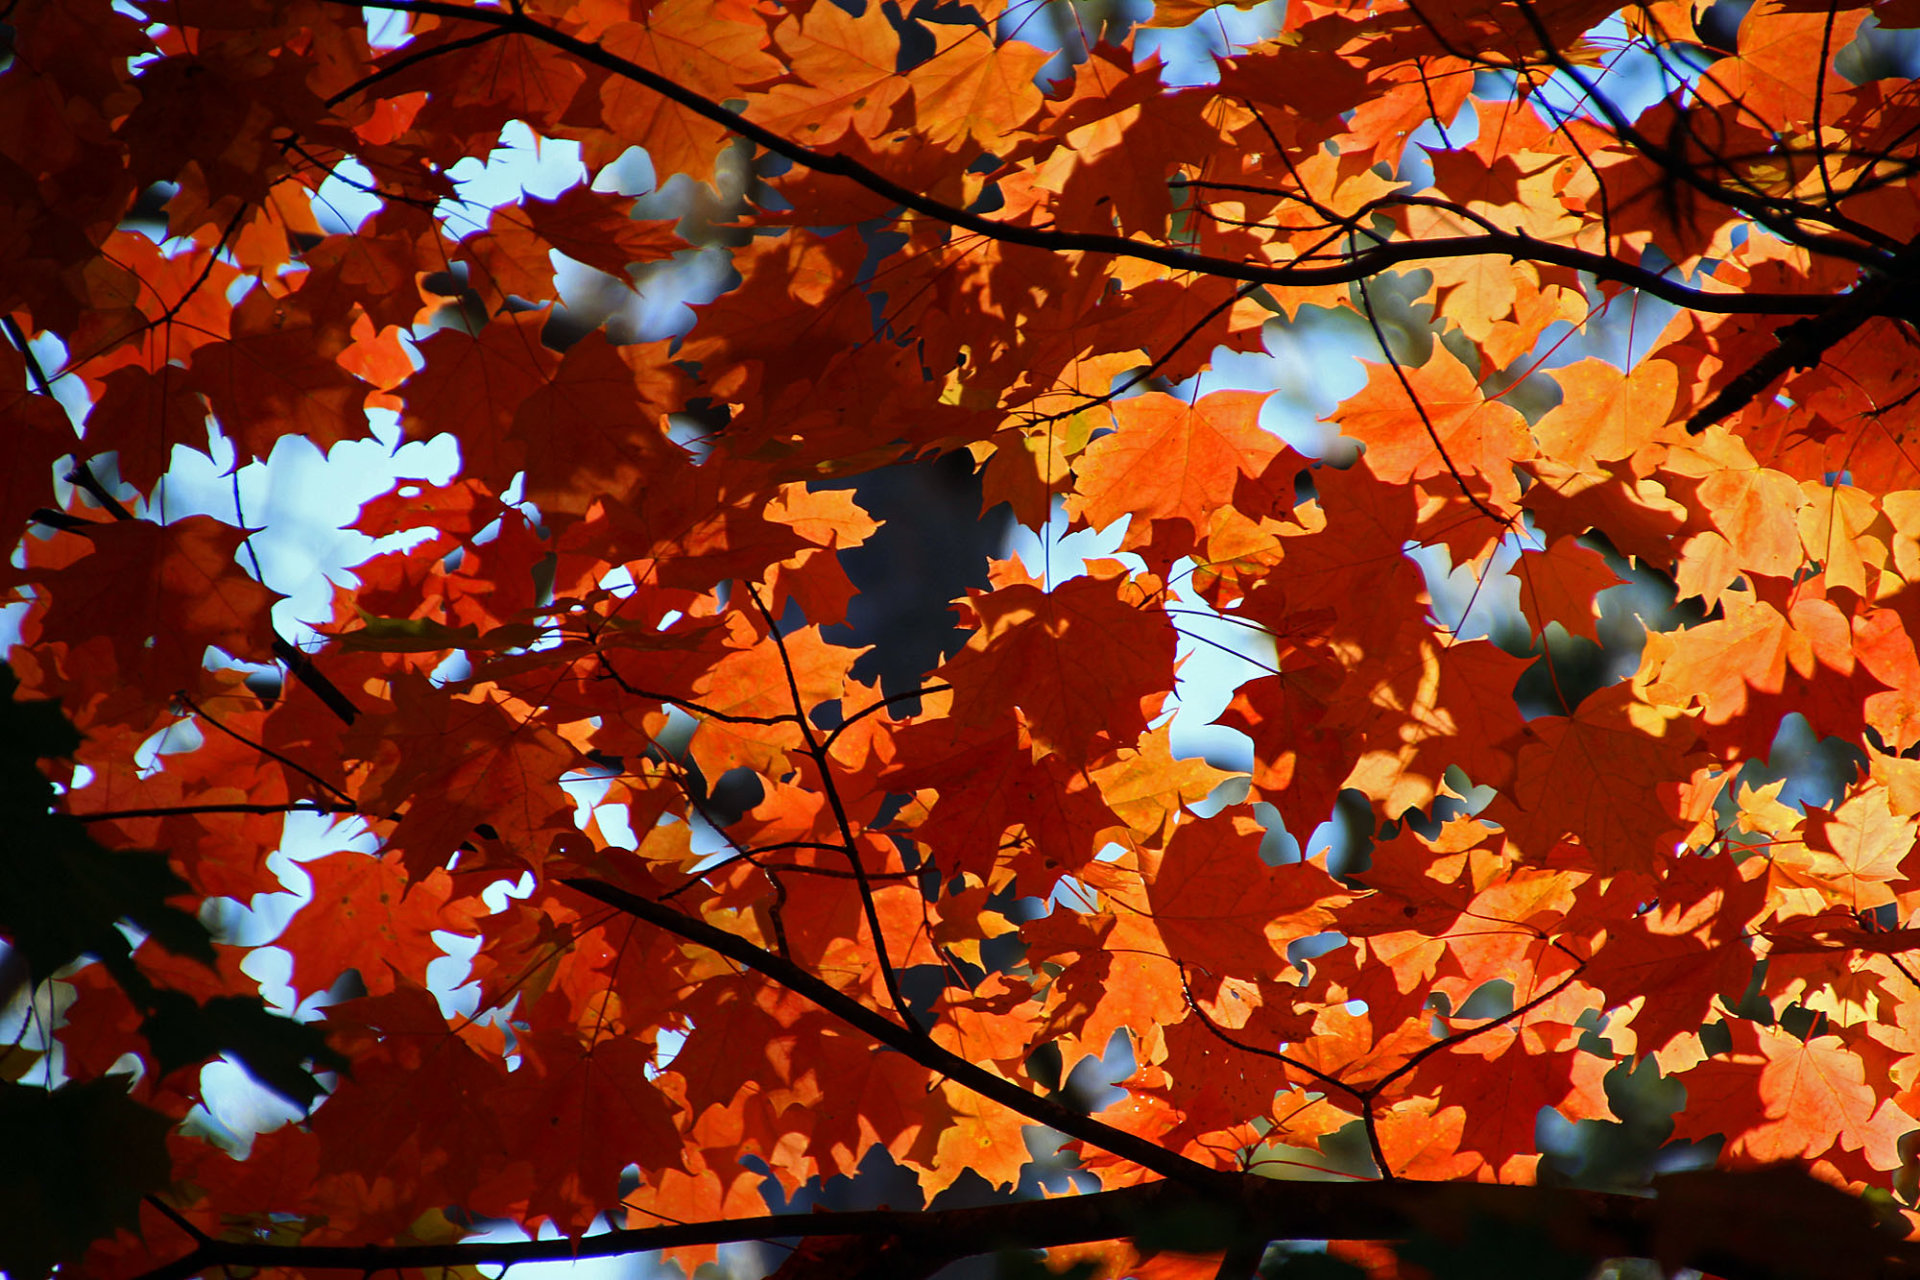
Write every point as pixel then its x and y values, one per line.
pixel 685 704
pixel 267 751
pixel 824 763
pixel 1406 385
pixel 1362 265
pixel 833 734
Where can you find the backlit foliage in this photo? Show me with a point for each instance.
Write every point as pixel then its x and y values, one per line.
pixel 947 235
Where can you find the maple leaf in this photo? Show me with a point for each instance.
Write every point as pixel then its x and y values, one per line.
pixel 140 416
pixel 1813 1095
pixel 588 226
pixel 415 1083
pixel 1298 765
pixel 749 685
pixel 990 785
pixel 1853 852
pixel 1171 461
pixel 276 376
pixel 1209 896
pixel 1436 423
pixel 1674 961
pixel 714 58
pixel 456 764
pixel 840 77
pixel 587 1113
pixel 1093 666
pixel 162 594
pixel 374 921
pixel 1608 774
pixel 1559 584
pixel 975 87
pixel 1527 1066
pixel 598 426
pixel 43 436
pixel 1756 655
pixel 1607 413
pixel 472 387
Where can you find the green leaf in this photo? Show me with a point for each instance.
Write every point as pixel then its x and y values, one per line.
pixel 73 1166
pixel 407 635
pixel 62 893
pixel 273 1049
pixel 32 730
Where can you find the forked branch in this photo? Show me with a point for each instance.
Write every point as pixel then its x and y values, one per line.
pixel 1514 245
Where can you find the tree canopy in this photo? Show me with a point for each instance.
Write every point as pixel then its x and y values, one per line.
pixel 652 901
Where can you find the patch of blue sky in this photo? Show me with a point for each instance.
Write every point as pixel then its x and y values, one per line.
pixel 51 355
pixel 1470 600
pixel 589 791
pixel 1310 368
pixel 171 739
pixel 1416 170
pixel 631 174
pixel 665 292
pixel 346 198
pixel 1633 74
pixel 386 28
pixel 235 1109
pixel 1619 331
pixel 523 164
pixel 305 837
pixel 1817 770
pixel 301 499
pixel 448 973
pixel 1054 555
pixel 1188 55
pixel 1191 55
pixel 1070 28
pixel 1072 893
pixel 1217 655
pixel 666 1047
pixel 28 1019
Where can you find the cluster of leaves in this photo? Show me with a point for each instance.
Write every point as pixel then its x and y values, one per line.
pixel 940 898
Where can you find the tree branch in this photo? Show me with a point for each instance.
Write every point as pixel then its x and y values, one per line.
pixel 1804 342
pixel 1670 1227
pixel 1760 209
pixel 178 810
pixel 919 1048
pixel 833 735
pixel 1514 245
pixel 269 752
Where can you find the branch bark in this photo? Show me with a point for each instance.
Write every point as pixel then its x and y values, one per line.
pixel 1804 342
pixel 910 1042
pixel 1513 245
pixel 1696 1225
